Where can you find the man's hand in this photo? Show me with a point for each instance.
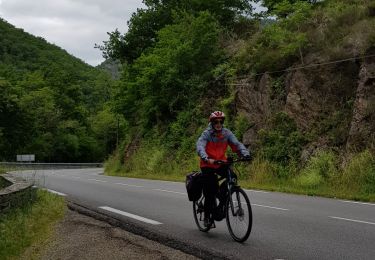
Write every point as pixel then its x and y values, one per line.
pixel 247 158
pixel 211 161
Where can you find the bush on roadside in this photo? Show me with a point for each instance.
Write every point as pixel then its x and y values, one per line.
pixel 282 142
pixel 359 174
pixel 320 168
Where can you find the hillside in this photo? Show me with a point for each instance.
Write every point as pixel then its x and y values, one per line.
pixel 51 102
pixel 298 91
pixel 327 87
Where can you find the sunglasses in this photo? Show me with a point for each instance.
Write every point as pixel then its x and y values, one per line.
pixel 218 122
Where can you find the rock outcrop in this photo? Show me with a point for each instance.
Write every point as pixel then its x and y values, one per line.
pixel 362 127
pixel 333 104
pixel 253 100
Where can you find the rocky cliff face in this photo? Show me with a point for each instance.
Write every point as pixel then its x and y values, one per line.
pixel 362 127
pixel 334 105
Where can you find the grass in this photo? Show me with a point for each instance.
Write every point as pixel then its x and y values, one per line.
pixel 32 224
pixel 322 175
pixel 151 163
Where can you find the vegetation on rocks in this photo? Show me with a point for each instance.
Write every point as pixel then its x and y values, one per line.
pixel 300 145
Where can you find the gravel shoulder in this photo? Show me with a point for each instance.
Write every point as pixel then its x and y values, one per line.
pixel 82 237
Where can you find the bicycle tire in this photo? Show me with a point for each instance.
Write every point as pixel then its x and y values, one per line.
pixel 198 212
pixel 246 231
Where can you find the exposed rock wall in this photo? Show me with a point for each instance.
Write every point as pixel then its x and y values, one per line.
pixel 362 127
pixel 253 100
pixel 334 105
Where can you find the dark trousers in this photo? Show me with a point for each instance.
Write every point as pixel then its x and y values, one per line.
pixel 211 187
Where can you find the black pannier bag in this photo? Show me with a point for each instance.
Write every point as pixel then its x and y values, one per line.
pixel 193 186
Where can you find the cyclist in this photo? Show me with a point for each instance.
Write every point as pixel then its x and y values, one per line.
pixel 211 146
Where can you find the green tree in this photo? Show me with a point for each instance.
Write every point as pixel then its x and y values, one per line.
pixel 46 99
pixel 166 79
pixel 11 120
pixel 282 8
pixel 145 23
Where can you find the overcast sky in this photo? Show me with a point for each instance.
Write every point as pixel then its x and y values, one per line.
pixel 74 25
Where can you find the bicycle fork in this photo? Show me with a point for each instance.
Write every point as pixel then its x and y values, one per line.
pixel 238 211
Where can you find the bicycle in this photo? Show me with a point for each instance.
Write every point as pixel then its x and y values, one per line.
pixel 237 207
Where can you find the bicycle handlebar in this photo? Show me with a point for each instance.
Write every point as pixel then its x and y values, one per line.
pixel 228 162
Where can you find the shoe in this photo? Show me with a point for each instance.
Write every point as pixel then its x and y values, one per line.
pixel 219 213
pixel 207 222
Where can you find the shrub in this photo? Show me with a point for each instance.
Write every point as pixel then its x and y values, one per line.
pixel 241 124
pixel 282 142
pixel 320 168
pixel 360 172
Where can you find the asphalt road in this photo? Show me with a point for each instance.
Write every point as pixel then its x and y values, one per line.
pixel 285 226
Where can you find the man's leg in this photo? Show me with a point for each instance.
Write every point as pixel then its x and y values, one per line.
pixel 210 189
pixel 223 189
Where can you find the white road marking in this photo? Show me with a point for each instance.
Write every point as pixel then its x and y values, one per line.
pixel 96 180
pixel 126 214
pixel 56 192
pixel 260 191
pixel 130 185
pixel 75 177
pixel 353 220
pixel 356 202
pixel 170 191
pixel 264 206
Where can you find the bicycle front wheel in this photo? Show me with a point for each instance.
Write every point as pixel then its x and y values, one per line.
pixel 239 216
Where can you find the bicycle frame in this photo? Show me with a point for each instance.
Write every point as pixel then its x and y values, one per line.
pixel 232 185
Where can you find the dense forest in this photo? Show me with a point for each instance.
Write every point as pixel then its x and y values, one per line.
pixel 295 81
pixel 52 104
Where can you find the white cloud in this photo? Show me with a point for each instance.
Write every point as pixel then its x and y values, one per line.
pixel 74 25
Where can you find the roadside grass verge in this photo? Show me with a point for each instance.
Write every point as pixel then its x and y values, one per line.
pixel 30 225
pixel 322 175
pixel 152 163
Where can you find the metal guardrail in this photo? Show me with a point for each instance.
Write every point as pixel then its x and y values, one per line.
pixel 10 165
pixel 15 194
pixel 17 191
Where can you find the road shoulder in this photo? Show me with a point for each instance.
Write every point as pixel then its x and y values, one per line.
pixel 82 237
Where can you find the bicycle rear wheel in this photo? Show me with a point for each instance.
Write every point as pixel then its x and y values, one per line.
pixel 240 218
pixel 198 209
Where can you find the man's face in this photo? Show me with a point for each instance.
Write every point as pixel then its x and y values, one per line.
pixel 218 123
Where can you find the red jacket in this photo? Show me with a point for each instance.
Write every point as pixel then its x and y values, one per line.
pixel 213 144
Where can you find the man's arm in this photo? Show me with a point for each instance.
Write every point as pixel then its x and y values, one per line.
pixel 201 146
pixel 237 146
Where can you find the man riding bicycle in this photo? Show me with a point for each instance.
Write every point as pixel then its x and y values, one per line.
pixel 211 146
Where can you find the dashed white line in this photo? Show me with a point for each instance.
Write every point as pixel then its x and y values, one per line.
pixel 353 220
pixel 264 206
pixel 171 191
pixel 356 202
pixel 96 180
pixel 130 185
pixel 56 192
pixel 130 215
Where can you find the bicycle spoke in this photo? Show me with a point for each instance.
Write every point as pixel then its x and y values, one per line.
pixel 240 223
